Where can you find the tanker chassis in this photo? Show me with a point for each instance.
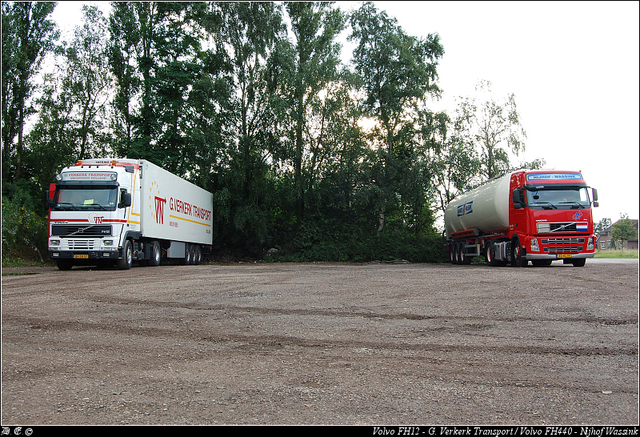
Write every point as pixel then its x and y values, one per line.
pixel 538 216
pixel 117 211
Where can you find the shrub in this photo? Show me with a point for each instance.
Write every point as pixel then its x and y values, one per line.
pixel 24 232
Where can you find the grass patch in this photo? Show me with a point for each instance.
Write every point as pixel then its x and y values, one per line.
pixel 617 254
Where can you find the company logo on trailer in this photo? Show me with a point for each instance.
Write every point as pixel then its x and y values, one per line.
pixel 465 209
pixel 159 203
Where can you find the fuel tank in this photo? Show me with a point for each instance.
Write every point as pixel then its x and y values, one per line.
pixel 485 208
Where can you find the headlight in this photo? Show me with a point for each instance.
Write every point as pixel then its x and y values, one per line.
pixel 107 242
pixel 544 228
pixel 534 245
pixel 54 242
pixel 590 244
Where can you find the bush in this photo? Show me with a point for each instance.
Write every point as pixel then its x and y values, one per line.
pixel 24 232
pixel 330 242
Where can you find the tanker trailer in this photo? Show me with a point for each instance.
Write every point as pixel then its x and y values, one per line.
pixel 538 216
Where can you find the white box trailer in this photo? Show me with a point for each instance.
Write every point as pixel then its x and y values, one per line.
pixel 125 210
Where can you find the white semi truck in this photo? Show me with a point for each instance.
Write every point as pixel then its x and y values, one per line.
pixel 123 210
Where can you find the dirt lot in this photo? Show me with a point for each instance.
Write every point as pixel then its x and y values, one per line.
pixel 321 344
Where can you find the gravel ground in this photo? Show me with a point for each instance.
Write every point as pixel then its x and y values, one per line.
pixel 327 344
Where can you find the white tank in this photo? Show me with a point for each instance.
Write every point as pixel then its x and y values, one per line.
pixel 485 208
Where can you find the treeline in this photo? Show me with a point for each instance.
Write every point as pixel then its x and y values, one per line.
pixel 321 159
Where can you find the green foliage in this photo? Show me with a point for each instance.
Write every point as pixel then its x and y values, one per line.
pixel 24 225
pixel 622 231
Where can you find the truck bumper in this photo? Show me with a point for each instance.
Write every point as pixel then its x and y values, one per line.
pixel 535 256
pixel 93 255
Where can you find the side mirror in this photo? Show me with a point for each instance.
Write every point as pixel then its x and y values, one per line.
pixel 517 199
pixel 595 197
pixel 48 201
pixel 125 200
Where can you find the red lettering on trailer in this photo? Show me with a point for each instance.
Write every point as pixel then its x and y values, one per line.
pixel 160 209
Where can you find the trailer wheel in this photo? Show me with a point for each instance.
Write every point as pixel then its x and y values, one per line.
pixel 197 255
pixel 127 256
pixel 156 254
pixel 463 258
pixel 187 255
pixel 452 253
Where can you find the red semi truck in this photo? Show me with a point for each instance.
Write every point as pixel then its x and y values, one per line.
pixel 538 216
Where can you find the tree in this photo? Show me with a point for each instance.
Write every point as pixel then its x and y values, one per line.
pixel 491 127
pixel 622 231
pixel 87 82
pixel 154 56
pixel 315 26
pixel 397 71
pixel 27 36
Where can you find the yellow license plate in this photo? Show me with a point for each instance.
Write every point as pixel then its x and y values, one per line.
pixel 564 255
pixel 84 256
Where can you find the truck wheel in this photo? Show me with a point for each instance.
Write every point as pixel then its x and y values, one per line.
pixel 580 262
pixel 197 258
pixel 464 259
pixel 517 260
pixel 127 256
pixel 188 255
pixel 490 254
pixel 156 254
pixel 456 253
pixel 65 264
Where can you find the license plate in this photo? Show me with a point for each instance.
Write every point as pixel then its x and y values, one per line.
pixel 564 255
pixel 84 256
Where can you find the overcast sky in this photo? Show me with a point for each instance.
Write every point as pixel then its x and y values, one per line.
pixel 573 67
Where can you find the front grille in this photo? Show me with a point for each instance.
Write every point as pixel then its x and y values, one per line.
pixel 81 244
pixel 562 240
pixel 563 249
pixel 84 231
pixel 564 227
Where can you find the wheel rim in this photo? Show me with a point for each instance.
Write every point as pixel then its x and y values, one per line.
pixel 156 253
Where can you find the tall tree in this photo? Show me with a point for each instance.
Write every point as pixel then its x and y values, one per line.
pixel 315 27
pixel 27 36
pixel 493 128
pixel 155 59
pixel 87 81
pixel 397 70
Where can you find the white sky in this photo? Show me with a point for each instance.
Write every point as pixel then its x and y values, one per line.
pixel 573 67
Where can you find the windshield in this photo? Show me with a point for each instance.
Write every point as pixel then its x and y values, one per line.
pixel 87 198
pixel 558 198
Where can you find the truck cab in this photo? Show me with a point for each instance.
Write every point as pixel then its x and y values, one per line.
pixel 551 217
pixel 94 207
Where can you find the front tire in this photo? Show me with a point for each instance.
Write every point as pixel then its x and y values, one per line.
pixel 127 256
pixel 517 259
